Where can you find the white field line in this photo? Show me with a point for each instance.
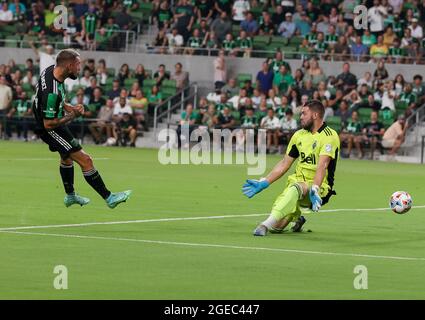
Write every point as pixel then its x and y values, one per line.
pixel 221 246
pixel 172 219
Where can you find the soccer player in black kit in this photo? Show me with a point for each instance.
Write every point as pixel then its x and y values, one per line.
pixel 52 114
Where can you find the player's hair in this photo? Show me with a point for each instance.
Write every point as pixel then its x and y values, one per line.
pixel 66 55
pixel 316 106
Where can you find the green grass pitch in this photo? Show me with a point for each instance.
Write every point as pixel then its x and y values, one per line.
pixel 202 258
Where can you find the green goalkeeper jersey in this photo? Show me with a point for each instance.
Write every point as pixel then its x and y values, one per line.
pixel 308 147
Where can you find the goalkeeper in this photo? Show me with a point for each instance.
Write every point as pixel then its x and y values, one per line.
pixel 316 146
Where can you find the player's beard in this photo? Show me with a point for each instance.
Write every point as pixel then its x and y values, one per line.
pixel 307 125
pixel 72 76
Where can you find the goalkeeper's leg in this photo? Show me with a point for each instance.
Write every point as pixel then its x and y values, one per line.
pixel 284 210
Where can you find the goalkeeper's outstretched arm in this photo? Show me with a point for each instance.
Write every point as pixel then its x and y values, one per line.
pixel 280 169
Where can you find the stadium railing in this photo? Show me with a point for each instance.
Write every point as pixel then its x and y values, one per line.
pixel 189 93
pixel 288 54
pixel 122 39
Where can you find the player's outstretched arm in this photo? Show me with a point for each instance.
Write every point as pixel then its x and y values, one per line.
pixel 315 199
pixel 252 187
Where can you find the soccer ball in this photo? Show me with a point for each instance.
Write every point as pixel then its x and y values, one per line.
pixel 111 141
pixel 400 202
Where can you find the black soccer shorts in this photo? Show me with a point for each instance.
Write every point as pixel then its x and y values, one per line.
pixel 60 140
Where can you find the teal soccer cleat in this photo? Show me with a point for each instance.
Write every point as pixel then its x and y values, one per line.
pixel 71 199
pixel 115 199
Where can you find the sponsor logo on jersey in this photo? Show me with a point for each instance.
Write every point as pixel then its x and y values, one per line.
pixel 308 159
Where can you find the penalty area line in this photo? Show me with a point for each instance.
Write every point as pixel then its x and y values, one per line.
pixel 217 246
pixel 87 224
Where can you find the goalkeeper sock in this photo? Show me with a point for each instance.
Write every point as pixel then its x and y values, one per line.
pixel 287 204
pixel 67 174
pixel 94 179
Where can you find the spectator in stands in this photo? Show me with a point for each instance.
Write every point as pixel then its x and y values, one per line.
pixel 154 99
pixel 381 72
pixel 408 99
pixel 223 6
pixel 6 15
pixel 115 91
pixel 373 132
pixel 396 54
pixel 127 130
pixel 162 17
pixel 416 29
pixel 249 25
pixel 267 27
pixel 123 74
pixel 140 74
pixel 101 72
pixel 184 18
pixel 346 81
pixel 272 124
pixel 181 77
pixel 208 118
pixel 102 128
pixel 161 42
pixel 225 119
pixel 388 97
pixel 96 101
pixel 175 41
pixel 221 26
pixel 343 111
pixel 359 50
pixel 120 108
pixel 243 45
pixel 282 80
pixel 303 24
pixel 351 134
pixel 80 96
pixel 161 75
pixel 189 121
pixel 5 100
pixel 376 16
pixel 394 136
pixel 287 28
pixel 89 91
pixel 139 104
pixel 418 88
pixel 220 71
pixel 239 9
pixel 265 78
pixel 379 50
pixel 367 80
pixel 133 90
pixel 86 79
pixel 340 51
pixel 30 78
pixel 204 10
pixel 231 88
pixel 45 59
pixel 278 15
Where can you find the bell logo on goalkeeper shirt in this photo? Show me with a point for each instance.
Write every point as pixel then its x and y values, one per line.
pixel 310 159
pixel 328 148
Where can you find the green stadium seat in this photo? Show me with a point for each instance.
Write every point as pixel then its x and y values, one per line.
pixel 149 83
pixel 334 123
pixel 242 77
pixel 12 41
pixel 364 114
pixel 129 82
pixel 261 42
pixel 296 41
pixel 168 83
pixel 111 72
pixel 168 92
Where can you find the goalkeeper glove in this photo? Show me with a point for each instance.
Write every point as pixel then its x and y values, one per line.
pixel 315 199
pixel 252 187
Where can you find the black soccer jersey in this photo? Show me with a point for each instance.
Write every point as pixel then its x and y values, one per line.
pixel 50 97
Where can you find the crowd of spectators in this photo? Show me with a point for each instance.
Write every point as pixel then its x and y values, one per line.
pixel 91 25
pixel 360 109
pixel 113 101
pixel 305 28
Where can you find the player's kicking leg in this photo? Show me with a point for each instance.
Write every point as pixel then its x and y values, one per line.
pixel 94 179
pixel 67 174
pixel 285 210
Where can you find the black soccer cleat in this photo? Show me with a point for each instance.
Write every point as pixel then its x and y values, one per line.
pixel 299 224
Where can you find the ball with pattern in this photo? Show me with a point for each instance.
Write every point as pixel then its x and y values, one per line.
pixel 400 202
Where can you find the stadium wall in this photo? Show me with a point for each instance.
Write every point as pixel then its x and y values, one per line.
pixel 201 67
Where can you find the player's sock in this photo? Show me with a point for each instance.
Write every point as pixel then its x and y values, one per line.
pixel 94 179
pixel 269 222
pixel 288 204
pixel 67 174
